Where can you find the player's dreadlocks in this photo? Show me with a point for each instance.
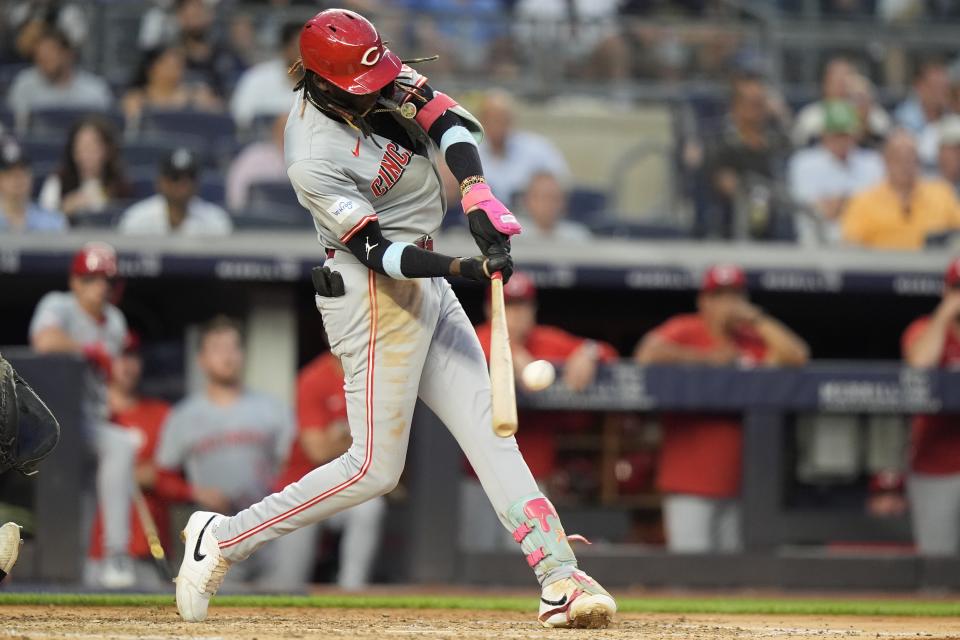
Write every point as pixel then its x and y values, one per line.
pixel 329 102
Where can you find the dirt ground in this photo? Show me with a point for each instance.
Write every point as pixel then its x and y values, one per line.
pixel 162 623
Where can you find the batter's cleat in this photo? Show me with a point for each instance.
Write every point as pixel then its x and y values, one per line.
pixel 203 567
pixel 9 547
pixel 577 602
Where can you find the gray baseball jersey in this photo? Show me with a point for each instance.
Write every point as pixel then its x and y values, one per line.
pixel 237 449
pixel 397 340
pixel 60 309
pixel 345 179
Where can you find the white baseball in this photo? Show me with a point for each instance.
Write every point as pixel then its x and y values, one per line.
pixel 538 375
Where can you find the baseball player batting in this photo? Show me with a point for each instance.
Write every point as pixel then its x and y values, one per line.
pixel 362 144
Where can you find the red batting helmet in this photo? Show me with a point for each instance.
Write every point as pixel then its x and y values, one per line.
pixel 95 258
pixel 344 48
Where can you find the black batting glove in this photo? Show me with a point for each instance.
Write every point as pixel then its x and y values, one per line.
pixel 481 268
pixel 488 239
pixel 328 283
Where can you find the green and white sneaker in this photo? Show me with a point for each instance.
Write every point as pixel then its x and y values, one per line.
pixel 576 602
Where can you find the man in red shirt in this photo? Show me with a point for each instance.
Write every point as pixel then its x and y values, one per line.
pixel 143 417
pixel 934 484
pixel 323 434
pixel 536 437
pixel 700 456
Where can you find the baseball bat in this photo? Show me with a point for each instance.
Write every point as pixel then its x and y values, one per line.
pixel 502 388
pixel 153 537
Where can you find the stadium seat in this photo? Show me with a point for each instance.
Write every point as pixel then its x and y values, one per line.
pixel 214 132
pixel 44 155
pixel 259 129
pixel 212 188
pixel 145 155
pixel 57 122
pixel 586 205
pixel 143 184
pixel 106 219
pixel 278 219
pixel 8 72
pixel 266 196
pixel 941 240
pixel 7 120
pixel 640 230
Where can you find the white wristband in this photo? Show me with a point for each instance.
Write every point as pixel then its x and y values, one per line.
pixel 453 135
pixel 391 260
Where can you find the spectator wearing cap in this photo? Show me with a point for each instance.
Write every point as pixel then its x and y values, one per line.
pixel 825 176
pixel 577 358
pixel 17 212
pixel 266 88
pixel 904 208
pixel 510 156
pixel 258 162
pixel 82 321
pixel 700 455
pixel 54 81
pixel 545 207
pixel 143 417
pixel 176 208
pixel 948 155
pixel 929 342
pixel 840 82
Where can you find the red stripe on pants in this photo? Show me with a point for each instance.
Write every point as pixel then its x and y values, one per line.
pixel 368 453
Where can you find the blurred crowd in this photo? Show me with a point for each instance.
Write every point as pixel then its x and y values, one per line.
pixel 191 143
pixel 843 170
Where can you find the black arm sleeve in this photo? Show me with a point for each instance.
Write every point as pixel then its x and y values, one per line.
pixel 462 157
pixel 369 246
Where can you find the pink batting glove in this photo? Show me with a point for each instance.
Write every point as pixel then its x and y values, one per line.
pixel 479 196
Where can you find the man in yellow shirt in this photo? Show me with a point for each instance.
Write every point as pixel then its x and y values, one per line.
pixel 901 211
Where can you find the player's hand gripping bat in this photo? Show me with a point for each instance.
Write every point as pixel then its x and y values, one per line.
pixel 504 395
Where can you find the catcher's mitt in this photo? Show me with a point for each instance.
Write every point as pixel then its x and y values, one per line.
pixel 28 431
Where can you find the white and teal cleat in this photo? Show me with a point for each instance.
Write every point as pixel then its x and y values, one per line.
pixel 576 602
